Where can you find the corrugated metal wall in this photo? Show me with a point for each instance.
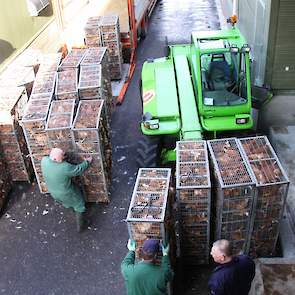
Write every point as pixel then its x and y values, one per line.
pixel 269 28
pixel 280 72
pixel 254 24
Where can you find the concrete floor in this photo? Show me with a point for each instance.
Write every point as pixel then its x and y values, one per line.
pixel 40 250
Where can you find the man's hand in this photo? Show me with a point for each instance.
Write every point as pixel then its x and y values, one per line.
pixel 88 159
pixel 131 245
pixel 165 250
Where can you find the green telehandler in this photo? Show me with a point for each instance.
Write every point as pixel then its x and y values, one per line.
pixel 196 91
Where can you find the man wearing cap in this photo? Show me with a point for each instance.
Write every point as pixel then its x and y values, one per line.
pixel 234 274
pixel 57 174
pixel 144 277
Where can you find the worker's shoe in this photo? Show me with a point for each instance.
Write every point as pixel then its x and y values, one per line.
pixel 81 221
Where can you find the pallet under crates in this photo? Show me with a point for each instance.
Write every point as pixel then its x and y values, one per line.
pixel 235 193
pixel 194 201
pixel 149 214
pixel 91 137
pixel 272 185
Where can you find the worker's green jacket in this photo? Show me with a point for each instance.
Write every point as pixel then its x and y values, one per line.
pixel 58 176
pixel 145 278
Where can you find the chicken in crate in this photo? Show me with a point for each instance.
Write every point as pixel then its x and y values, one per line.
pixel 234 194
pixel 193 200
pixel 272 189
pixel 149 214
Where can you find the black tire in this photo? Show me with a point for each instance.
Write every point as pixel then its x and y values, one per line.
pixel 148 152
pixel 144 30
pixel 166 47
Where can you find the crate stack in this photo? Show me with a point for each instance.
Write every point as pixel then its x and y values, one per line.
pixel 91 137
pixel 17 76
pixel 194 200
pixel 34 123
pixel 59 124
pixel 12 103
pixel 67 85
pixel 235 193
pixel 44 83
pixel 49 63
pixel 94 82
pixel 149 207
pixel 5 181
pixel 272 189
pixel 72 60
pixel 110 36
pixel 92 32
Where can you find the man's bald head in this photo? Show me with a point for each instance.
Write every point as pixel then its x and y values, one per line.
pixel 222 251
pixel 57 155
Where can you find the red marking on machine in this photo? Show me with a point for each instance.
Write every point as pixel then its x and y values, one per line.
pixel 148 96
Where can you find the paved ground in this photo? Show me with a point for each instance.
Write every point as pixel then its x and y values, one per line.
pixel 40 251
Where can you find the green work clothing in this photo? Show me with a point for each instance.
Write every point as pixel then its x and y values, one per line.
pixel 145 278
pixel 58 176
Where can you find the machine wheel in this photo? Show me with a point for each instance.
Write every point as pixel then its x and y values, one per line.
pixel 148 152
pixel 166 47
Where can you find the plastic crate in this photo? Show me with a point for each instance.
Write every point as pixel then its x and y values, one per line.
pixel 272 189
pixel 194 200
pixel 59 124
pixel 49 63
pixel 235 193
pixel 92 32
pixel 148 210
pixel 34 123
pixel 44 83
pixel 67 85
pixel 72 60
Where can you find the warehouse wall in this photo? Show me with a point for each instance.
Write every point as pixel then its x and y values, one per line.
pixel 280 70
pixel 17 27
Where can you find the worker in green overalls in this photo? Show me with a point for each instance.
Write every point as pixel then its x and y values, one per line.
pixel 57 174
pixel 144 277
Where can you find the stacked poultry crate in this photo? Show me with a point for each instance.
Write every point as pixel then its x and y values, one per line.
pixel 49 63
pixel 95 80
pixel 194 199
pixel 149 208
pixel 67 85
pixel 44 83
pixel 5 182
pixel 59 124
pixel 72 60
pixel 92 32
pixel 12 103
pixel 272 189
pixel 34 123
pixel 91 137
pixel 110 36
pixel 235 193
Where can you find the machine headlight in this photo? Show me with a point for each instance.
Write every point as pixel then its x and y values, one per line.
pixel 151 124
pixel 240 121
pixel 246 48
pixel 234 49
